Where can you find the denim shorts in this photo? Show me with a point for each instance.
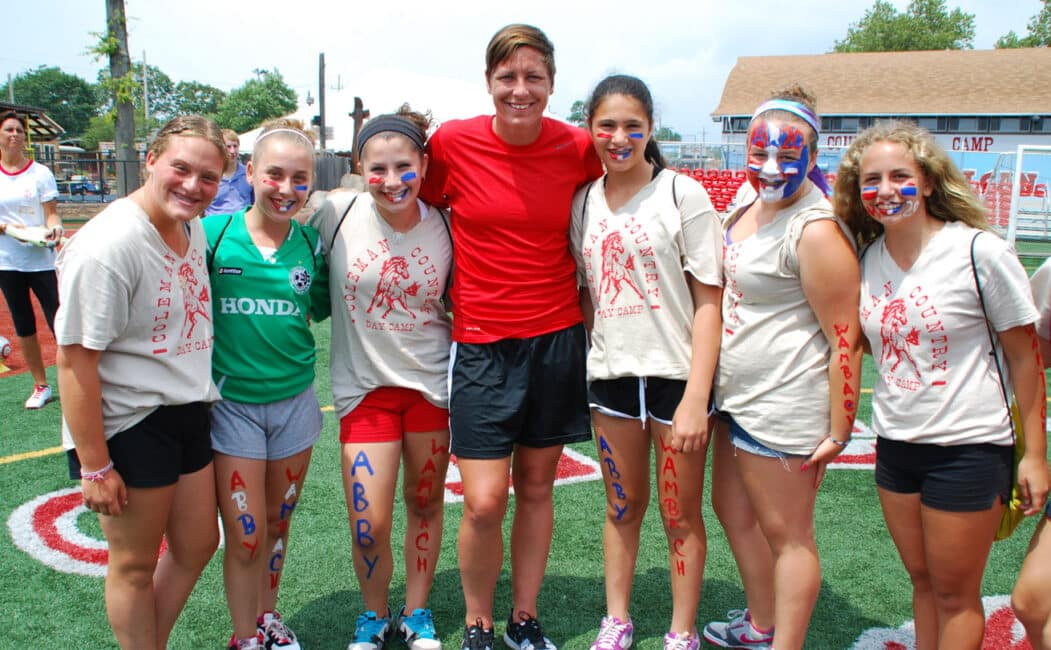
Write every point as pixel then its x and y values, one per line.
pixel 742 440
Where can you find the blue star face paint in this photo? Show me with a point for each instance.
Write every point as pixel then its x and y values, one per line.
pixel 778 159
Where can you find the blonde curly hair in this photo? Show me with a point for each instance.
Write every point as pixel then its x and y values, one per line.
pixel 951 198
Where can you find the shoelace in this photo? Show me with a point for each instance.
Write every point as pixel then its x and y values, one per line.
pixel 531 630
pixel 277 629
pixel 478 638
pixel 608 635
pixel 421 624
pixel 681 642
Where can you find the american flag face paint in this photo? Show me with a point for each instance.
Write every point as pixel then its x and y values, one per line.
pixel 778 159
pixel 893 186
pixel 901 201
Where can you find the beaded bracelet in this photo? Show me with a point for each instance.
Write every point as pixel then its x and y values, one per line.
pixel 96 476
pixel 842 444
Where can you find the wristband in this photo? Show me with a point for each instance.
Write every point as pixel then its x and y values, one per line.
pixel 842 444
pixel 97 476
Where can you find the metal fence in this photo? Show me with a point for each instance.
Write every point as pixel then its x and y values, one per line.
pixel 92 178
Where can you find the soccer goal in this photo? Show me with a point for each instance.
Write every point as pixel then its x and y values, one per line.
pixel 1015 195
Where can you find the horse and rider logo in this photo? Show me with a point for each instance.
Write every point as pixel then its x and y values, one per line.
pixel 617 265
pixel 896 338
pixel 389 290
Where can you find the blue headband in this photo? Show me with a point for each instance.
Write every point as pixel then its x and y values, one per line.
pixel 816 176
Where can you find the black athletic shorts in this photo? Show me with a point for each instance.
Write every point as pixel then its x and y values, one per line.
pixel 16 285
pixel 954 478
pixel 530 392
pixel 171 441
pixel 637 398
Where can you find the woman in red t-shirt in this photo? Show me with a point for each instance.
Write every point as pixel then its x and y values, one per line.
pixel 517 390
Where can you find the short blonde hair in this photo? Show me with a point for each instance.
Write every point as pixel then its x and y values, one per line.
pixel 287 130
pixel 189 126
pixel 506 42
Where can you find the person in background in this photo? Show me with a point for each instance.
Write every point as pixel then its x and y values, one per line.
pixel 517 389
pixel 134 329
pixel 649 251
pixel 791 299
pixel 235 192
pixel 28 197
pixel 937 289
pixel 1031 597
pixel 264 429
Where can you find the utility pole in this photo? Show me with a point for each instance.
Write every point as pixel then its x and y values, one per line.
pixel 146 94
pixel 360 114
pixel 119 68
pixel 10 89
pixel 321 97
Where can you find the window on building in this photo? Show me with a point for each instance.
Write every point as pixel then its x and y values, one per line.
pixel 865 122
pixel 967 124
pixel 1005 125
pixel 739 124
pixel 929 123
pixel 831 124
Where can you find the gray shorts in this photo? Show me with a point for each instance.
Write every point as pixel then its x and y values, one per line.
pixel 266 431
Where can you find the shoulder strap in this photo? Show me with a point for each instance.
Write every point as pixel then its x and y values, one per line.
pixel 215 249
pixel 452 264
pixel 674 194
pixel 587 193
pixel 311 246
pixel 992 337
pixel 339 224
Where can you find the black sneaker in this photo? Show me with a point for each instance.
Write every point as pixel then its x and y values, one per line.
pixel 475 637
pixel 526 633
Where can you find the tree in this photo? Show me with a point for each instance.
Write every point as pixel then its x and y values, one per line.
pixel 925 25
pixel 101 128
pixel 196 97
pixel 1039 31
pixel 666 134
pixel 576 113
pixel 114 45
pixel 68 99
pixel 164 100
pixel 258 100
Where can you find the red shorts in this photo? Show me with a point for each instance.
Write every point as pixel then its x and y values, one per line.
pixel 389 412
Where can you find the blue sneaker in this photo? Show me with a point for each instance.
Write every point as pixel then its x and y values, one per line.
pixel 417 630
pixel 372 632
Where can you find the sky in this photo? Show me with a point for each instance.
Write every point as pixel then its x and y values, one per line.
pixel 432 54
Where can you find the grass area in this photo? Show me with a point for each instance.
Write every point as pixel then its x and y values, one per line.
pixel 864 584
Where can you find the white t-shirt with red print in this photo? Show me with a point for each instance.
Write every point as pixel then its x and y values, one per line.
pixel 774 358
pixel 389 326
pixel 937 382
pixel 633 260
pixel 22 195
pixel 124 292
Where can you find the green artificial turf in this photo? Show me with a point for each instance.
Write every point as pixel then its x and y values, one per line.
pixel 864 584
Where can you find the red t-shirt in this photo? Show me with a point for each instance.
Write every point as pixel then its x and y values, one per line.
pixel 515 276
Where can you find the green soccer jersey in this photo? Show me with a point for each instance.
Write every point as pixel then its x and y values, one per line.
pixel 263 350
